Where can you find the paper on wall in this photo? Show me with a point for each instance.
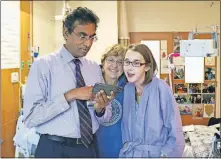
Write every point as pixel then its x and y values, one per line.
pixel 10 34
pixel 194 69
pixel 164 69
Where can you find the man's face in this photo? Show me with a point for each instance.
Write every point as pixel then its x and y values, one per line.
pixel 79 42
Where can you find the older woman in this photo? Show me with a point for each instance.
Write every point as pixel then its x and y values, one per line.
pixel 109 138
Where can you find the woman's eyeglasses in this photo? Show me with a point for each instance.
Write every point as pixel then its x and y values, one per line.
pixel 133 63
pixel 112 61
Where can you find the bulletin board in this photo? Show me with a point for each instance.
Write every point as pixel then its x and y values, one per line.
pixel 196 102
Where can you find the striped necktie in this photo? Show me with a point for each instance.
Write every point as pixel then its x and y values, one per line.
pixel 84 115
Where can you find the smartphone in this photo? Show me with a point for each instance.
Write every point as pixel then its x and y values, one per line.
pixel 107 88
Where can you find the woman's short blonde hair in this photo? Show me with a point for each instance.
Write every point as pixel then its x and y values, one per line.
pixel 114 50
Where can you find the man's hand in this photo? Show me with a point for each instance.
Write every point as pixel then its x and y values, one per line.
pixel 102 100
pixel 82 93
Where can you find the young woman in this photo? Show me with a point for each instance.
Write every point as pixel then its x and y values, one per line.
pixel 109 138
pixel 151 123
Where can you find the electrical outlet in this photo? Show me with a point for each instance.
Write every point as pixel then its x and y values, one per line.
pixel 14 77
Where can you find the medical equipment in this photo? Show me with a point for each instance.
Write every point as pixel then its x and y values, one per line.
pixel 200 47
pixel 66 9
pixel 34 52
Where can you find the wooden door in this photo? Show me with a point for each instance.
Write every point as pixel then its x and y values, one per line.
pixel 10 94
pixel 26 38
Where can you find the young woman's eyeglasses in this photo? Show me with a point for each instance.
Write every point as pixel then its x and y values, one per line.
pixel 134 63
pixel 84 38
pixel 112 61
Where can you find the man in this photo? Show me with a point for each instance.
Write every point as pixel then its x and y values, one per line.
pixel 57 89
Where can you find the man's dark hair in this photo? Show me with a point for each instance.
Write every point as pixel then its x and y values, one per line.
pixel 79 16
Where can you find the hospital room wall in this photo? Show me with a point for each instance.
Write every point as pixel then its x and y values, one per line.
pixel 162 16
pixel 44 26
pixel 142 16
pixel 175 17
pixel 48 32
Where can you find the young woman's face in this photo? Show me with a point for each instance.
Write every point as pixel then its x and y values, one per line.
pixel 113 66
pixel 135 67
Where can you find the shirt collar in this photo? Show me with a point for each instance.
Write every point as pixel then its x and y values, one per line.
pixel 67 56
